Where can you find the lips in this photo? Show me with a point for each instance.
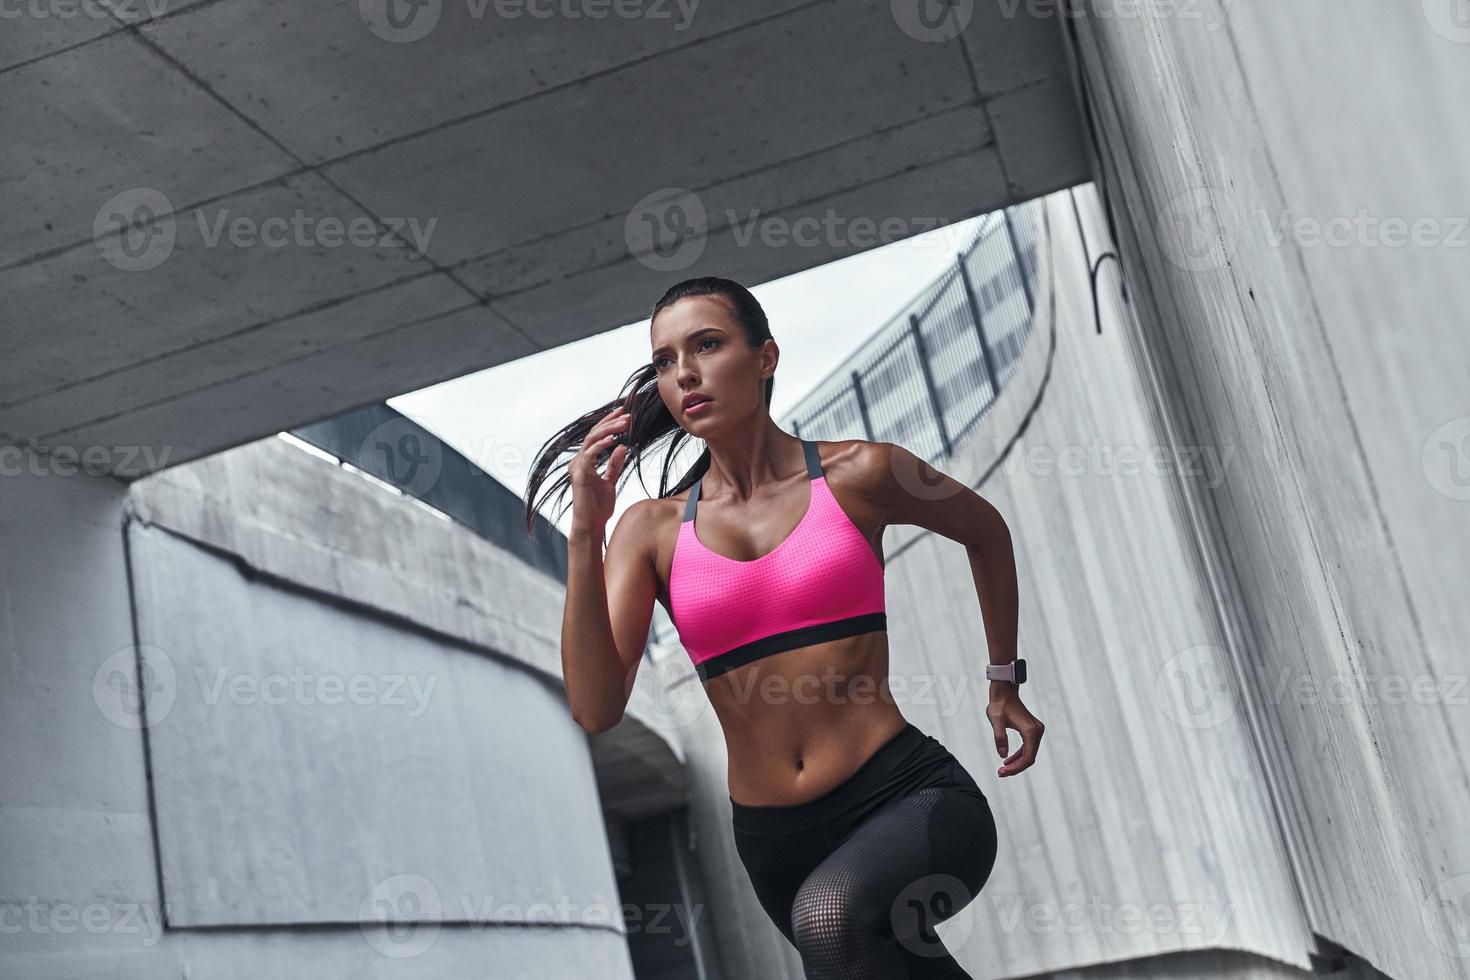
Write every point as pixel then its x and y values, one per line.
pixel 694 401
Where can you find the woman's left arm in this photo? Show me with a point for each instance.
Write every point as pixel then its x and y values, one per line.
pixel 907 490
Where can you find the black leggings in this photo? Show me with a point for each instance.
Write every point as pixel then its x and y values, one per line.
pixel 856 878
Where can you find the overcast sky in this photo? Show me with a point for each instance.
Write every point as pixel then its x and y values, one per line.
pixel 500 417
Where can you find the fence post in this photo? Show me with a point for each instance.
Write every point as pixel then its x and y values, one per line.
pixel 929 383
pixel 857 390
pixel 1020 263
pixel 979 325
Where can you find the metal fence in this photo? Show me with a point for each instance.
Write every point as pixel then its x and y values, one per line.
pixel 929 373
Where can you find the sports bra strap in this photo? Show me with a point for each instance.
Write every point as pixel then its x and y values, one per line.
pixel 813 470
pixel 813 461
pixel 693 500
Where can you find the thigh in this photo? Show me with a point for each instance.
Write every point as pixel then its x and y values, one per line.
pixel 914 863
pixel 777 864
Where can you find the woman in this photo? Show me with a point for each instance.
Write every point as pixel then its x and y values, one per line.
pixel 858 831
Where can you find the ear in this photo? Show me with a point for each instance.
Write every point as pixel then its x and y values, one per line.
pixel 770 357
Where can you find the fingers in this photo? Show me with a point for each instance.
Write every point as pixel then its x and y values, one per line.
pixel 1002 737
pixel 615 461
pixel 613 422
pixel 1022 759
pixel 602 433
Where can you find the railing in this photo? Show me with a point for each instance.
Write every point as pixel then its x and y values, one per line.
pixel 927 375
pixel 396 450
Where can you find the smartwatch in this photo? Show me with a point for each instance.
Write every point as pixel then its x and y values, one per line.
pixel 1015 671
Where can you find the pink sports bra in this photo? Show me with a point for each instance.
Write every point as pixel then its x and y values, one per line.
pixel 821 583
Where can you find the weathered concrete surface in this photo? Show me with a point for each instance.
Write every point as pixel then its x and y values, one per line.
pixel 257 575
pixel 525 146
pixel 1291 186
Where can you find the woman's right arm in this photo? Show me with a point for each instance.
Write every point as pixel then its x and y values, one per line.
pixel 609 603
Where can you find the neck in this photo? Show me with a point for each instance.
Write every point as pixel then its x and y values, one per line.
pixel 739 465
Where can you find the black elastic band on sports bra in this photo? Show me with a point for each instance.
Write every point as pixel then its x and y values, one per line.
pixel 789 640
pixel 813 470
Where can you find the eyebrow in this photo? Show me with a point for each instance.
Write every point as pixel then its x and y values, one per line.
pixel 693 336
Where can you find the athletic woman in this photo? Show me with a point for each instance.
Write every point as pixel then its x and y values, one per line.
pixel 858 831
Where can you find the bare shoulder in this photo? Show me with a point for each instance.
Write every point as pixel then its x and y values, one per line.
pixel 857 473
pixel 643 517
pixel 859 465
pixel 876 478
pixel 646 524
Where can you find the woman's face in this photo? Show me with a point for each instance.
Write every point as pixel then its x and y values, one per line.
pixel 699 349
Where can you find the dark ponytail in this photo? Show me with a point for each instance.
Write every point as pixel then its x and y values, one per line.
pixel 650 421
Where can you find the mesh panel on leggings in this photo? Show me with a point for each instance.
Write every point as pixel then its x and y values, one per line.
pixel 923 857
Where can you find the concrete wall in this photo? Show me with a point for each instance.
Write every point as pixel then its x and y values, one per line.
pixel 355 752
pixel 1146 830
pixel 1291 188
pixel 75 830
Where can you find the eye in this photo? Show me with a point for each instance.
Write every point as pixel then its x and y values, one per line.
pixel 709 340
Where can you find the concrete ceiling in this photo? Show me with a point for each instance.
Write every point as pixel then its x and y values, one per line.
pixel 171 170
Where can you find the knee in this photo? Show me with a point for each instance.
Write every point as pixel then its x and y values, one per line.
pixel 828 922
